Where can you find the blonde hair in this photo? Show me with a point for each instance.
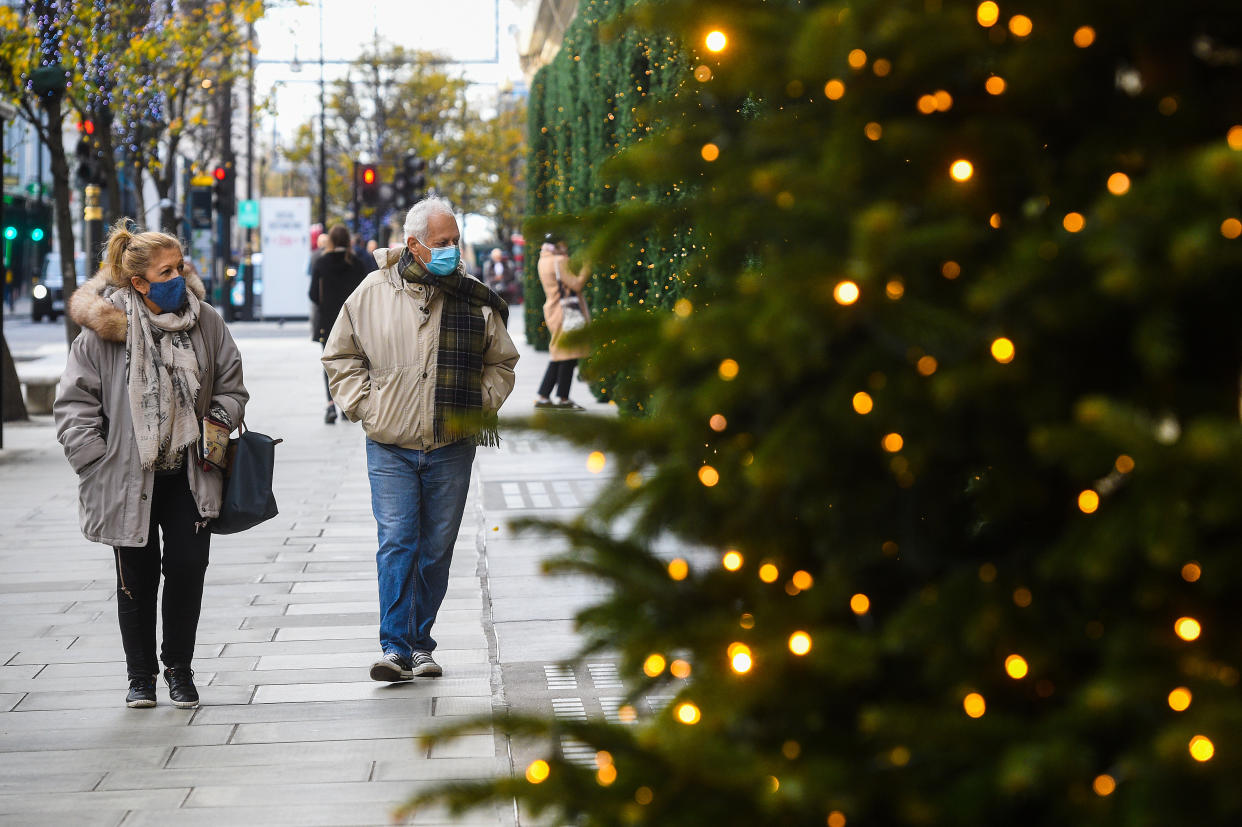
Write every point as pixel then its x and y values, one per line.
pixel 128 254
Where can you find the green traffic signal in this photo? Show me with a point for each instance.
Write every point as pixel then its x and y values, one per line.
pixel 36 234
pixel 10 232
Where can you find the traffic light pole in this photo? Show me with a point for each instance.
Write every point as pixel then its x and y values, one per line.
pixel 92 213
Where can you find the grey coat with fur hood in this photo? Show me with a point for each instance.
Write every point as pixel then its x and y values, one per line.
pixel 93 421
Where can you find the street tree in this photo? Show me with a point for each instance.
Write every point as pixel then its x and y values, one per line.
pixel 930 515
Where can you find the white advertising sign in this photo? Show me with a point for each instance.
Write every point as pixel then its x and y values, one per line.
pixel 285 236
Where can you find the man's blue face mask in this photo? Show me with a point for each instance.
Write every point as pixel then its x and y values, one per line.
pixel 168 295
pixel 443 259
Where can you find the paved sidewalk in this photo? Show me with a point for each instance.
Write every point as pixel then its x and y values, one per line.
pixel 290 730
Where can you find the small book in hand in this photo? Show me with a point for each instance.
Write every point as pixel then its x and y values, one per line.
pixel 214 445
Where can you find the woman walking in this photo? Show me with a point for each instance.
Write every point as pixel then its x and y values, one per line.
pixel 558 283
pixel 334 276
pixel 153 361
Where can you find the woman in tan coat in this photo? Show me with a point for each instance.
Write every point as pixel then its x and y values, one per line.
pixel 558 282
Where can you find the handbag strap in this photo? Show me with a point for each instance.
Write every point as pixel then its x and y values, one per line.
pixel 560 285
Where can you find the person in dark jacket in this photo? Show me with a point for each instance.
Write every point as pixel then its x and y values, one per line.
pixel 333 277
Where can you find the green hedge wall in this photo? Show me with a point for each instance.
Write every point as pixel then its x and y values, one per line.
pixel 586 107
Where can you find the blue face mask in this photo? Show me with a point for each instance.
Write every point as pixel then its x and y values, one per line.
pixel 168 295
pixel 443 259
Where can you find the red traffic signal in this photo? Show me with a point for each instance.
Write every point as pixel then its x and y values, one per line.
pixel 88 126
pixel 369 185
pixel 220 173
pixel 368 175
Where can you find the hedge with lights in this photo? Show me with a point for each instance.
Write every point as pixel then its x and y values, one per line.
pixel 592 101
pixel 950 423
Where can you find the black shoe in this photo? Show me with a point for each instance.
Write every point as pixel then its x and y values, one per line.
pixel 568 405
pixel 141 693
pixel 424 666
pixel 392 667
pixel 181 689
pixel 329 417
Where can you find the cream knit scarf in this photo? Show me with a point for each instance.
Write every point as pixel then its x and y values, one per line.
pixel 163 376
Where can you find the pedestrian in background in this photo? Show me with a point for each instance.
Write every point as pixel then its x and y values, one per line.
pixel 498 274
pixel 421 356
pixel 335 275
pixel 560 283
pixel 153 361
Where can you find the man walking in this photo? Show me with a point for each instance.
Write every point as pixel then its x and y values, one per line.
pixel 421 356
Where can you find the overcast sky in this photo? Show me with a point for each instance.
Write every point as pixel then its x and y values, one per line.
pixel 460 29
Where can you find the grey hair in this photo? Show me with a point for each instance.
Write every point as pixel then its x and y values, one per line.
pixel 417 218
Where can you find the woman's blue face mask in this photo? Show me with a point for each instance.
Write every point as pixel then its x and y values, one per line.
pixel 443 259
pixel 168 295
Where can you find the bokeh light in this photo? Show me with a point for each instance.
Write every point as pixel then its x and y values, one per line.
pixel 1020 25
pixel 834 90
pixel 716 41
pixel 895 289
pixel 873 131
pixel 1084 36
pixel 1104 785
pixel 679 669
pixel 836 819
pixel 1003 350
pixel 802 580
pixel 1187 628
pixel 1073 222
pixel 1179 699
pixel 1231 228
pixel 732 560
pixel 799 643
pixel 893 442
pixel 709 476
pixel 845 293
pixel 678 569
pixel 768 573
pixel 1119 183
pixel 1088 501
pixel 1191 572
pixel 1234 137
pixel 927 365
pixel 1124 464
pixel 718 423
pixel 950 270
pixel 863 403
pixel 688 713
pixel 987 14
pixel 728 370
pixel 975 705
pixel 860 604
pixel 710 152
pixel 1202 748
pixel 741 662
pixel 537 771
pixel 1016 667
pixel 995 85
pixel 961 170
pixel 857 58
pixel 595 462
pixel 653 665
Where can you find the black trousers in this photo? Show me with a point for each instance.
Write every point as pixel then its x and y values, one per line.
pixel 327 386
pixel 560 374
pixel 184 564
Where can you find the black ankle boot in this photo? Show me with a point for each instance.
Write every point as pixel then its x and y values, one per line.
pixel 181 689
pixel 329 416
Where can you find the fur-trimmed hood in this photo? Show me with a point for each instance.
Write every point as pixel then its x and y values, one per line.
pixel 95 304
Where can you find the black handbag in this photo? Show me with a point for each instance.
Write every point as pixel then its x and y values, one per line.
pixel 248 499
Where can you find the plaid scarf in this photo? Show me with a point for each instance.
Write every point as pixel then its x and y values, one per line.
pixel 459 357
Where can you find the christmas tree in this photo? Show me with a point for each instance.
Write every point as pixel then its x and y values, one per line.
pixel 949 393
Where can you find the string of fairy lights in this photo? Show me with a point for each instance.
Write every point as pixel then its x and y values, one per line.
pixel 1001 348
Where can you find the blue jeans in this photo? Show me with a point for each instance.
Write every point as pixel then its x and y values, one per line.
pixel 418 498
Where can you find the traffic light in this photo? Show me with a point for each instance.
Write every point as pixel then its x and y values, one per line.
pixel 410 180
pixel 226 189
pixel 369 185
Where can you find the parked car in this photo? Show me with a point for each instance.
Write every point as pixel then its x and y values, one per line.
pixel 48 293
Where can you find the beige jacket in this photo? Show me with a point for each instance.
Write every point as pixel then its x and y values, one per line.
pixel 549 264
pixel 381 357
pixel 93 420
